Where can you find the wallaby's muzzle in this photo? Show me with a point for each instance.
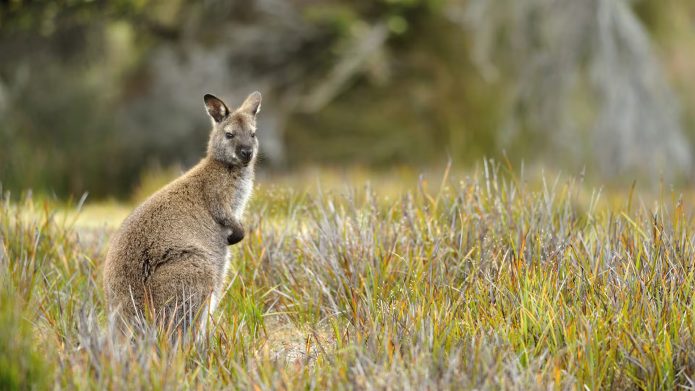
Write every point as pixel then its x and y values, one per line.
pixel 245 154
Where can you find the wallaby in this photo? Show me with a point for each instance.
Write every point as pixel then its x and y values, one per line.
pixel 170 255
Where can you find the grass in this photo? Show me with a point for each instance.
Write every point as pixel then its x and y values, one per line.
pixel 485 281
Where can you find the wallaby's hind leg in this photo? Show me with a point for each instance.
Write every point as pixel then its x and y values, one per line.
pixel 179 291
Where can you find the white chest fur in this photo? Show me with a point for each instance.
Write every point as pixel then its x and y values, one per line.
pixel 243 193
pixel 243 190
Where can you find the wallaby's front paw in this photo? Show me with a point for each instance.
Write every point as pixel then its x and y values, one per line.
pixel 237 235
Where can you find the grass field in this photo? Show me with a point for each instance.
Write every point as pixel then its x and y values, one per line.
pixel 488 280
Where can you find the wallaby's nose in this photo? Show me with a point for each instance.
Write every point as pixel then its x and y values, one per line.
pixel 245 154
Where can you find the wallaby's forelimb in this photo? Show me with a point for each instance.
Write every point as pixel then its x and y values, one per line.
pixel 236 232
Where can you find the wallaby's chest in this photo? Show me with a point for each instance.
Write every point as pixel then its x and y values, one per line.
pixel 241 194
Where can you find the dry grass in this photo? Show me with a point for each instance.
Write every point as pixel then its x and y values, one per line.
pixel 483 281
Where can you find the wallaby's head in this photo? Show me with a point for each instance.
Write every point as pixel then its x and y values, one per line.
pixel 233 138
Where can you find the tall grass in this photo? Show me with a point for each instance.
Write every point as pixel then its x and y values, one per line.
pixel 483 281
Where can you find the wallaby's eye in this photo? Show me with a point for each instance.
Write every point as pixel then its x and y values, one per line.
pixel 228 135
pixel 253 135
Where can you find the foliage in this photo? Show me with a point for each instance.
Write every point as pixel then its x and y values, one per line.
pixel 91 93
pixel 24 250
pixel 483 281
pixel 21 366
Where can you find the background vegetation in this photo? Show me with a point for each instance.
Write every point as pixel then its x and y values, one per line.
pixel 94 92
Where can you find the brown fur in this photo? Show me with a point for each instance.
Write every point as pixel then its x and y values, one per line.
pixel 171 252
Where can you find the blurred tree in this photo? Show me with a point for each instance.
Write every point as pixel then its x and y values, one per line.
pixel 579 67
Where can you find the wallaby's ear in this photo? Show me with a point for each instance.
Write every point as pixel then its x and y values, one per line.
pixel 216 108
pixel 252 104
